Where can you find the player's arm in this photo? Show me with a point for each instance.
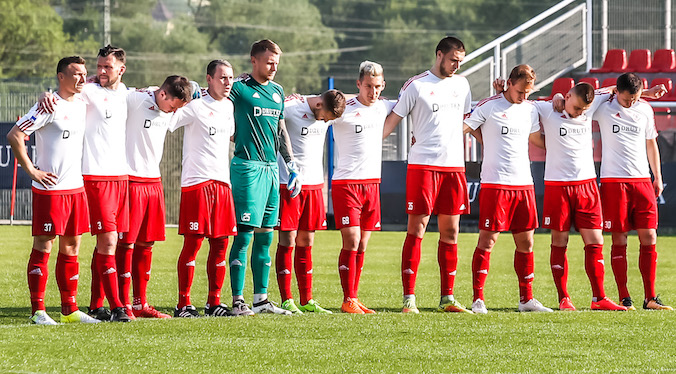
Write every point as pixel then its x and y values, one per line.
pixel 47 102
pixel 538 139
pixel 16 139
pixel 391 122
pixel 475 133
pixel 294 184
pixel 284 142
pixel 655 165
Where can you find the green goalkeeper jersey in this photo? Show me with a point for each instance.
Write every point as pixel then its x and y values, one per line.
pixel 258 109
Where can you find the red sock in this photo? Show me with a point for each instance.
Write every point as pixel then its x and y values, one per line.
pixel 216 266
pixel 123 257
pixel 593 264
pixel 359 261
pixel 410 261
pixel 647 263
pixel 141 262
pixel 105 267
pixel 447 256
pixel 185 267
pixel 524 267
pixel 618 261
pixel 98 292
pixel 347 264
pixel 481 262
pixel 283 266
pixel 559 264
pixel 67 275
pixel 37 278
pixel 302 263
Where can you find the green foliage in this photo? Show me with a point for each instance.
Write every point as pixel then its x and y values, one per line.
pixel 503 341
pixel 31 38
pixel 308 46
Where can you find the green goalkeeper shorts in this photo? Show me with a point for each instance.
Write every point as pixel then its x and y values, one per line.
pixel 255 191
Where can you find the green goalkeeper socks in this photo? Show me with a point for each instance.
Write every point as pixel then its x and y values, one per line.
pixel 261 261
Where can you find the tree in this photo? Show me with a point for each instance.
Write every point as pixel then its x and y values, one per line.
pixel 295 25
pixel 31 39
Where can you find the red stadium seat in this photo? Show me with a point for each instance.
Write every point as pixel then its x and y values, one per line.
pixel 645 83
pixel 609 82
pixel 664 61
pixel 591 80
pixel 615 62
pixel 639 61
pixel 560 85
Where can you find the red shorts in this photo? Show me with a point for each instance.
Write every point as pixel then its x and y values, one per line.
pixel 60 212
pixel 628 205
pixel 207 209
pixel 430 191
pixel 507 209
pixel 108 205
pixel 304 212
pixel 146 213
pixel 572 202
pixel 357 204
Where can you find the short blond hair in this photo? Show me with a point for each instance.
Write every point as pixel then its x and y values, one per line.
pixel 370 68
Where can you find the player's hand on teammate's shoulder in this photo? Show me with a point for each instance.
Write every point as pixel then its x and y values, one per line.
pixel 499 85
pixel 655 92
pixel 47 102
pixel 558 102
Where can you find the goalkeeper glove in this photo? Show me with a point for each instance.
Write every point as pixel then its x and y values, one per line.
pixel 196 90
pixel 294 184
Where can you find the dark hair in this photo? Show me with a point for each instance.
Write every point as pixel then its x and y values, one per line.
pixel 522 72
pixel 333 101
pixel 178 87
pixel 629 82
pixel 211 68
pixel 119 53
pixel 584 91
pixel 64 62
pixel 265 45
pixel 449 43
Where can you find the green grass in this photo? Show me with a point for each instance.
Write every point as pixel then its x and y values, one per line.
pixel 502 341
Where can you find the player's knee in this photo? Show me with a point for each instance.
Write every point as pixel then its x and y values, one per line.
pixel 244 228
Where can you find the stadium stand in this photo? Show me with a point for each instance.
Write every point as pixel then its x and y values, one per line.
pixel 609 82
pixel 639 61
pixel 615 61
pixel 591 80
pixel 664 61
pixel 560 85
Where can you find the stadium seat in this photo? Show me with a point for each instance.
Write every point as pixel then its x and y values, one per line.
pixel 664 61
pixel 609 82
pixel 615 62
pixel 645 83
pixel 591 80
pixel 639 61
pixel 560 85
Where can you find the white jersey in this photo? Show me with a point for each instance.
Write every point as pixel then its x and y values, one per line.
pixel 209 124
pixel 505 128
pixel 624 132
pixel 359 140
pixel 147 127
pixel 58 141
pixel 570 155
pixel 437 108
pixel 104 151
pixel 307 141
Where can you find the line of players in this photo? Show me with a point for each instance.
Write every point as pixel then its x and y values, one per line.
pixel 437 101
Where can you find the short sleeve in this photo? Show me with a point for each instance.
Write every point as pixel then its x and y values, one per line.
pixel 407 100
pixel 477 118
pixel 650 130
pixel 33 120
pixel 468 100
pixel 599 98
pixel 534 120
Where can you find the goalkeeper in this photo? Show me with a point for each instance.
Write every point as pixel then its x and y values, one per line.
pixel 307 119
pixel 260 132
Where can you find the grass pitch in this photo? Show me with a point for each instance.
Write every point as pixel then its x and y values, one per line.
pixel 503 341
